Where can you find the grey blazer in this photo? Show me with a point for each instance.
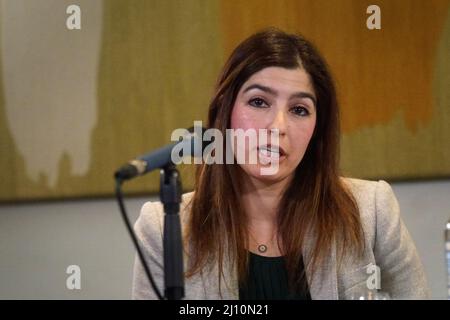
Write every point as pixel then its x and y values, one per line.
pixel 387 242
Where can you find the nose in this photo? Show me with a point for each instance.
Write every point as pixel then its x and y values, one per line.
pixel 279 122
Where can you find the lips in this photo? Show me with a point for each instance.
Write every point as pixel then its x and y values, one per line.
pixel 269 150
pixel 271 154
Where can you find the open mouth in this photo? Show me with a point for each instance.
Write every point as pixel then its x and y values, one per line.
pixel 271 151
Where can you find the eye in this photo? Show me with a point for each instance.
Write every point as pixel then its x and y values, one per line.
pixel 258 103
pixel 300 111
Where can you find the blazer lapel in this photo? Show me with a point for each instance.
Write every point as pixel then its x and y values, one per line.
pixel 323 285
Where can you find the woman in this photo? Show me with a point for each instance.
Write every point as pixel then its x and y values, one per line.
pixel 301 233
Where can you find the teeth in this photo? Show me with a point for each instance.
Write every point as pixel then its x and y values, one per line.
pixel 267 150
pixel 266 156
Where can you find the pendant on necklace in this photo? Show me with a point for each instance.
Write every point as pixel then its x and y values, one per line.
pixel 262 248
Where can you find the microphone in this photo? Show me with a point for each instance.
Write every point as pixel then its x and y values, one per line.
pixel 191 144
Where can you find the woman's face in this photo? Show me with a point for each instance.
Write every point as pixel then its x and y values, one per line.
pixel 282 99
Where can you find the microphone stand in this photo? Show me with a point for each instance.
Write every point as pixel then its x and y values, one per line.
pixel 170 195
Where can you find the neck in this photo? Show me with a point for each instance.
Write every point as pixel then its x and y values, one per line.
pixel 261 200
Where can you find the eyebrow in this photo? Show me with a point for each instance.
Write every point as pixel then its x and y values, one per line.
pixel 300 94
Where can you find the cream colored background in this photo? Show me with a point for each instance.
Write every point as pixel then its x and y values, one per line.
pixel 38 240
pixel 77 104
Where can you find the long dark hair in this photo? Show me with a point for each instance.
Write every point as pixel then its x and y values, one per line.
pixel 316 201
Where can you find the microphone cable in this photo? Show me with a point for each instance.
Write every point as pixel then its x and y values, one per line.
pixel 119 197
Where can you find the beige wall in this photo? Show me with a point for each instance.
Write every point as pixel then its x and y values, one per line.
pixel 38 242
pixel 76 104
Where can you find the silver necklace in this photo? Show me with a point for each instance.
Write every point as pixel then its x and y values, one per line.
pixel 262 248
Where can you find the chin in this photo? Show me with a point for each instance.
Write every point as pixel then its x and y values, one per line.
pixel 256 172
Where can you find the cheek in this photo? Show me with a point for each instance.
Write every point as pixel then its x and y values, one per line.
pixel 243 118
pixel 310 130
pixel 301 136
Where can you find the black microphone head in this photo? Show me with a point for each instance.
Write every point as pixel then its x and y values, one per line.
pixel 163 156
pixel 126 172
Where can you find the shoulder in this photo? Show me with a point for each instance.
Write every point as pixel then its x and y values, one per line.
pixel 377 204
pixel 365 190
pixel 151 218
pixel 152 212
pixel 156 207
pixel 371 196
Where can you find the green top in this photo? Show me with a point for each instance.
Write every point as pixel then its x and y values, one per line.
pixel 268 280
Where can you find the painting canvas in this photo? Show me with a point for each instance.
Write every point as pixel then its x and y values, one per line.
pixel 77 104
